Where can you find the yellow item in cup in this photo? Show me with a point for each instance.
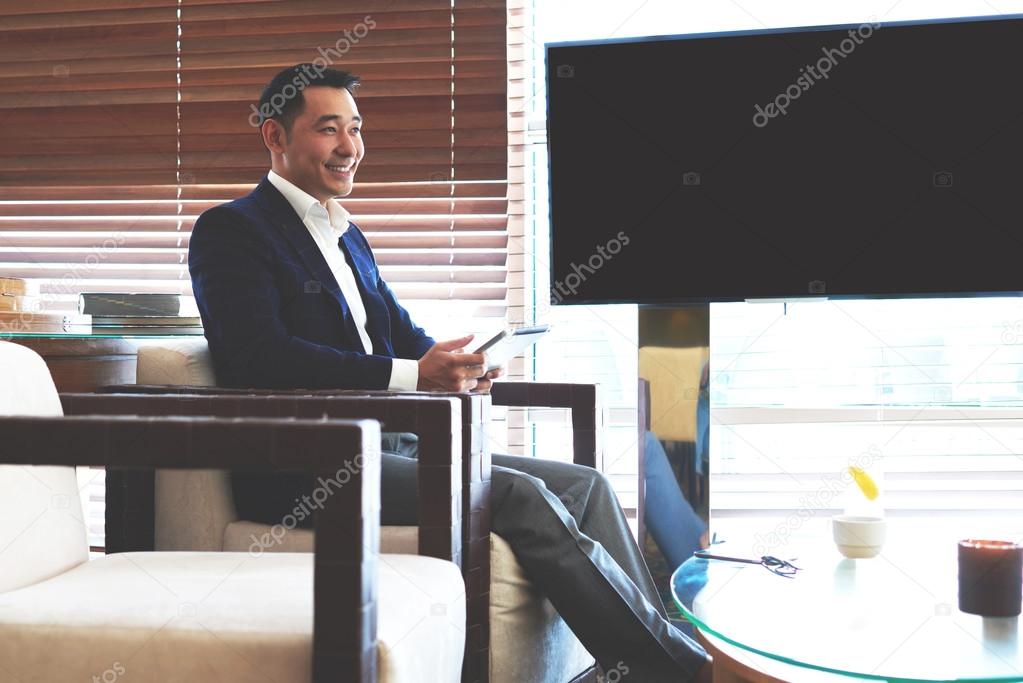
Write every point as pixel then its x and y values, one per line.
pixel 864 481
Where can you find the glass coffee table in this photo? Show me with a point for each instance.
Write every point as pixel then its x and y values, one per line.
pixel 893 617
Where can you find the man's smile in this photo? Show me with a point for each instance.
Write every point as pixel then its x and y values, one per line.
pixel 341 170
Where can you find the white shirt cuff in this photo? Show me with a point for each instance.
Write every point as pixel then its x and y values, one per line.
pixel 404 375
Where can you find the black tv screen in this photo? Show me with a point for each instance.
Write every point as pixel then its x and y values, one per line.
pixel 846 161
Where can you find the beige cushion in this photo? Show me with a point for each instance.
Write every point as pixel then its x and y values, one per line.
pixel 42 530
pixel 223 617
pixel 535 643
pixel 177 361
pixel 204 517
pixel 256 539
pixel 188 514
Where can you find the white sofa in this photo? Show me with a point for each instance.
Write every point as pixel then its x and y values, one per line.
pixel 180 617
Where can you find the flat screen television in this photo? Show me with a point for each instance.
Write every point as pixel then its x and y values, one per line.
pixel 867 160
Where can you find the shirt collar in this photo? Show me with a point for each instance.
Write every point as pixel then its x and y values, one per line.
pixel 303 203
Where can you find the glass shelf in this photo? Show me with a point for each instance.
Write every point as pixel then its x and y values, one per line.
pixel 97 334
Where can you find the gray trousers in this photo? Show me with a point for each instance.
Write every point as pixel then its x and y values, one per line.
pixel 569 533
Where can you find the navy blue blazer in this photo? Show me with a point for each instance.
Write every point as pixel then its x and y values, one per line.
pixel 273 312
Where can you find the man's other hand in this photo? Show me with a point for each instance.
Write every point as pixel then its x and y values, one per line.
pixel 445 367
pixel 484 382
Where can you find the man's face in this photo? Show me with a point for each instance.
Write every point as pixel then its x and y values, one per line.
pixel 325 145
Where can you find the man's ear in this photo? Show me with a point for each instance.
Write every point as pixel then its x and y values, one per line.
pixel 274 136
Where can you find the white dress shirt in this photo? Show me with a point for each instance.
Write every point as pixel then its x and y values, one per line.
pixel 326 225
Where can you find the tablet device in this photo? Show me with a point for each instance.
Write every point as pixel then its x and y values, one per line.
pixel 507 344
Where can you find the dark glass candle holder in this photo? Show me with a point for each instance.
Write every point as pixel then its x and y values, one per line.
pixel 990 577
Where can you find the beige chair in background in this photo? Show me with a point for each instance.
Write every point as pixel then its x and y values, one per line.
pixel 669 392
pixel 674 377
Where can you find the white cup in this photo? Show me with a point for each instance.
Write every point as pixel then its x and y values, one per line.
pixel 858 536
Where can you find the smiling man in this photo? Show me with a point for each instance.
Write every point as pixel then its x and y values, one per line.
pixel 291 297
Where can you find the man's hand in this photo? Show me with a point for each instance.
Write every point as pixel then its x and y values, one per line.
pixel 484 382
pixel 446 368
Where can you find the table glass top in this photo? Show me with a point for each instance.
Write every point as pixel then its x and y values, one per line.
pixel 891 617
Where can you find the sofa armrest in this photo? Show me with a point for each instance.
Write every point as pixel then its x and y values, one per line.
pixel 582 399
pixel 436 420
pixel 347 524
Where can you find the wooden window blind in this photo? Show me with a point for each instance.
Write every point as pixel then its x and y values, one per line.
pixel 431 192
pixel 125 119
pixel 88 161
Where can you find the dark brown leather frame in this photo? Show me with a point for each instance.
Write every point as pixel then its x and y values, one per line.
pixel 436 420
pixel 587 423
pixel 347 526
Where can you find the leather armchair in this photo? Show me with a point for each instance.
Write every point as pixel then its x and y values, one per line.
pixel 342 613
pixel 503 605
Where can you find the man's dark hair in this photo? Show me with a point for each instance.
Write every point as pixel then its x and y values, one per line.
pixel 282 98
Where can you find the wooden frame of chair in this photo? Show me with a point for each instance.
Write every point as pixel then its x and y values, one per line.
pixel 583 400
pixel 347 525
pixel 437 421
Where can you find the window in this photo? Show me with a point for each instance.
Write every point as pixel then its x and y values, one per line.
pixel 924 393
pixel 587 344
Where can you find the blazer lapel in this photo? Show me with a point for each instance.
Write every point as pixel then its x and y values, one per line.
pixel 298 236
pixel 377 316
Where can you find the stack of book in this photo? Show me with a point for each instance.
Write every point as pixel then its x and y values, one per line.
pixel 20 310
pixel 18 295
pixel 137 314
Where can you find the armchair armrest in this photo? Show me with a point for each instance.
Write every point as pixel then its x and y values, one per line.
pixel 582 399
pixel 347 523
pixel 436 420
pixel 204 390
